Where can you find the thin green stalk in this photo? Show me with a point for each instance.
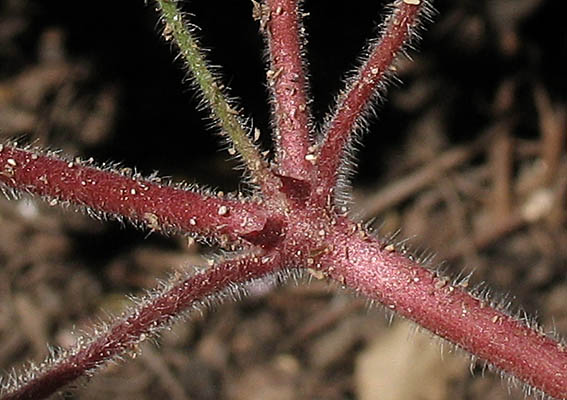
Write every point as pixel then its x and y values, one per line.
pixel 226 115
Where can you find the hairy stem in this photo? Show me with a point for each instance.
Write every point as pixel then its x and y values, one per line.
pixel 144 202
pixel 286 79
pixel 151 314
pixel 223 111
pixel 473 323
pixel 357 98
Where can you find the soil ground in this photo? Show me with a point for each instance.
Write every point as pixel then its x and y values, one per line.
pixel 467 159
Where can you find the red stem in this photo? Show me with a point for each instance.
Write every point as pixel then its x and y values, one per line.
pixel 155 313
pixel 154 205
pixel 447 309
pixel 311 237
pixel 286 79
pixel 355 100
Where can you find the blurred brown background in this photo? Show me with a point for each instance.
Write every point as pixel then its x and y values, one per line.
pixel 467 159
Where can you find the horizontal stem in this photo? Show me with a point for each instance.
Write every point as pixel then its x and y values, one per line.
pixel 145 202
pixel 151 314
pixel 447 309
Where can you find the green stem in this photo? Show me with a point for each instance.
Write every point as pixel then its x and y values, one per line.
pixel 225 114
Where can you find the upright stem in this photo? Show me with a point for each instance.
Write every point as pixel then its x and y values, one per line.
pixel 286 79
pixel 145 202
pixel 447 309
pixel 225 114
pixel 357 98
pixel 151 314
